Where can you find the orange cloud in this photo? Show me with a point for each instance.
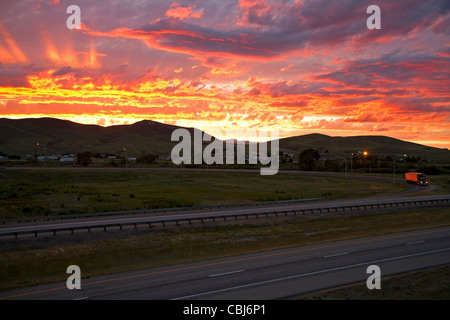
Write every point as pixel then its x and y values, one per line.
pixel 289 64
pixel 183 12
pixel 9 49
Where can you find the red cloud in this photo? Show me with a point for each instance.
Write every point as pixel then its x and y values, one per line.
pixel 183 12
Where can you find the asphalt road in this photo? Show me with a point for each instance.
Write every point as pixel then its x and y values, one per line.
pixel 46 225
pixel 278 274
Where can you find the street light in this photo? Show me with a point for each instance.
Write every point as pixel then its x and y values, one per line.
pixel 351 169
pixel 365 153
pixel 45 153
pixel 393 175
pixel 394 157
pixel 126 158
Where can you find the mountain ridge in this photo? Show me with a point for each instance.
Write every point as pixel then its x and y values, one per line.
pixel 20 137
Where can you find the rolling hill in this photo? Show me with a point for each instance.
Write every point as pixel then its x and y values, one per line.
pixel 61 137
pixel 379 145
pixel 19 137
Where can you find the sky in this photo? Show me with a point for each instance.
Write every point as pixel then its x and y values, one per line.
pixel 299 66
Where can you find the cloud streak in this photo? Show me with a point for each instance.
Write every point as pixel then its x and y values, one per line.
pixel 301 66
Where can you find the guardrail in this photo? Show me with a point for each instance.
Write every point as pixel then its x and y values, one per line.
pixel 190 220
pixel 159 210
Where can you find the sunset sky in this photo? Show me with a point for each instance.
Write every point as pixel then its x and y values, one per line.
pixel 301 66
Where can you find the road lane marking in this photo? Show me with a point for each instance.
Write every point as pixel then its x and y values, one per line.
pixel 378 238
pixel 336 255
pixel 309 274
pixel 415 242
pixel 225 273
pixel 83 298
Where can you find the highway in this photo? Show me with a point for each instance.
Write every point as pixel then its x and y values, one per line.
pixel 278 274
pixel 198 214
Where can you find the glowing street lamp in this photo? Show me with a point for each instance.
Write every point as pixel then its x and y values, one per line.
pixel 45 152
pixel 365 153
pixel 126 158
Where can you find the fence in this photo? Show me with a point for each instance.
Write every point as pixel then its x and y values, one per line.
pixel 214 218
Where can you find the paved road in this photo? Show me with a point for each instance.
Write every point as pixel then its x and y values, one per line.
pixel 46 225
pixel 276 274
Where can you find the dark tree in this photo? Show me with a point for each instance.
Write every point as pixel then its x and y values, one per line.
pixel 84 158
pixel 332 165
pixel 148 158
pixel 307 159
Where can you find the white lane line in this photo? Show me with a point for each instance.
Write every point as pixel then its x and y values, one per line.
pixel 225 273
pixel 311 273
pixel 336 255
pixel 415 242
pixel 81 298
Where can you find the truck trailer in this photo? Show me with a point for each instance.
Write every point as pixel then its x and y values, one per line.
pixel 417 178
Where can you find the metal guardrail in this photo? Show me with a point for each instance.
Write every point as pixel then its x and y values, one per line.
pixel 159 210
pixel 190 220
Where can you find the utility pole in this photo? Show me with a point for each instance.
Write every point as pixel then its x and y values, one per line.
pixel 126 158
pixel 393 175
pixel 45 153
pixel 351 172
pixel 345 167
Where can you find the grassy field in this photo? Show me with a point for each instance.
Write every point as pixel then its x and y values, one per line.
pixel 60 191
pixel 439 184
pixel 432 284
pixel 42 260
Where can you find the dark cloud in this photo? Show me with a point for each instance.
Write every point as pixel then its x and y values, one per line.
pixel 63 71
pixel 13 77
pixel 397 70
pixel 442 26
pixel 270 29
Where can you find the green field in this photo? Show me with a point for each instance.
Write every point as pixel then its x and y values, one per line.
pixel 41 192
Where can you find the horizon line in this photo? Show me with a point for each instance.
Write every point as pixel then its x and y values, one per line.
pixel 223 139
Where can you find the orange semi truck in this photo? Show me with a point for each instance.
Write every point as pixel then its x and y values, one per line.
pixel 417 178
